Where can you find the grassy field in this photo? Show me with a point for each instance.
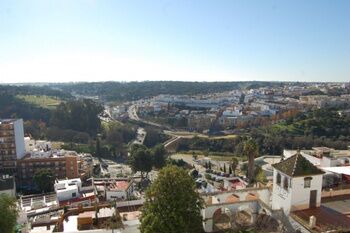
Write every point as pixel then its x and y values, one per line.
pixel 186 134
pixel 216 157
pixel 41 100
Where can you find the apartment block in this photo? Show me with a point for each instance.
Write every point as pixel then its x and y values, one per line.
pixel 62 167
pixel 11 144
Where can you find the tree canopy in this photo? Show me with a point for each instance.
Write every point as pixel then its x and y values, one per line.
pixel 140 159
pixel 8 213
pixel 172 204
pixel 79 115
pixel 44 180
pixel 158 155
pixel 322 127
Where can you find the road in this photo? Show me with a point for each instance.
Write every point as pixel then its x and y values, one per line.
pixel 132 112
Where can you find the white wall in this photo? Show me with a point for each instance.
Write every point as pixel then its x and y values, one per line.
pixel 111 195
pixel 29 144
pixel 19 138
pixel 296 196
pixel 301 195
pixel 281 198
pixel 250 207
pixel 67 194
pixel 64 191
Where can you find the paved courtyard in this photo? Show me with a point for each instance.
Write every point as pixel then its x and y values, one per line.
pixel 327 217
pixel 341 206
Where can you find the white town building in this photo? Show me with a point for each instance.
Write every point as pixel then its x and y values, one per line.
pixel 67 189
pixel 119 190
pixel 297 184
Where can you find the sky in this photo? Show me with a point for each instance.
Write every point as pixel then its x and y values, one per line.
pixel 186 40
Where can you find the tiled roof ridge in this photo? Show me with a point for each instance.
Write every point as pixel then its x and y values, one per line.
pixel 295 166
pixel 297 156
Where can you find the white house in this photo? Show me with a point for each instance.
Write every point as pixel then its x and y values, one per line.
pixel 119 190
pixel 39 145
pixel 67 189
pixel 297 184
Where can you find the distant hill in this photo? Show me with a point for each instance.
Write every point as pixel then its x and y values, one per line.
pixel 33 89
pixel 322 127
pixel 119 91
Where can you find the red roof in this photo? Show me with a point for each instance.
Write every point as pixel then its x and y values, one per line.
pixel 120 185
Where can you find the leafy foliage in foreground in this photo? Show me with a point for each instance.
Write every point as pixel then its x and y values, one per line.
pixel 172 205
pixel 8 213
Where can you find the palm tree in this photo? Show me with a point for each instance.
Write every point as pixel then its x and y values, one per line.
pixel 251 151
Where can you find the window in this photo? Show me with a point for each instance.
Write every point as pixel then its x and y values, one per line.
pixel 74 194
pixel 307 182
pixel 278 179
pixel 285 183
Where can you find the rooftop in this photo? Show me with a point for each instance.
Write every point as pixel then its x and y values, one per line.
pixel 119 185
pixel 297 165
pixel 326 218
